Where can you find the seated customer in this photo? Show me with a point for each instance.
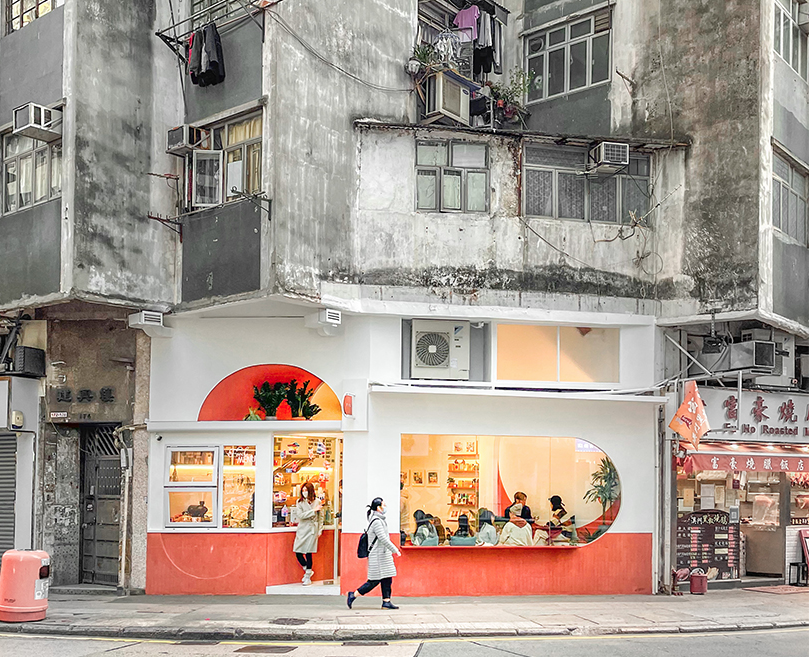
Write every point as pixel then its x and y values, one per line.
pixel 561 518
pixel 486 531
pixel 526 512
pixel 440 530
pixel 517 531
pixel 425 533
pixel 464 533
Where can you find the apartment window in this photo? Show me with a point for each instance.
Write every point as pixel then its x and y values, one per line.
pixel 228 162
pixel 789 41
pixel 21 12
pixel 555 186
pixel 452 176
pixel 32 172
pixel 568 58
pixel 789 202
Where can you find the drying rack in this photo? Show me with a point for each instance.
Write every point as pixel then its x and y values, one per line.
pixel 228 12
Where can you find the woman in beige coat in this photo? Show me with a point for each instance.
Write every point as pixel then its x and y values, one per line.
pixel 310 526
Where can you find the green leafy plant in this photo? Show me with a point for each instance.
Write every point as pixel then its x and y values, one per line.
pixel 269 397
pixel 604 486
pixel 253 414
pixel 299 399
pixel 425 54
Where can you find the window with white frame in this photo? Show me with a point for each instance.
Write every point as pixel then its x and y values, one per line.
pixel 452 176
pixel 32 172
pixel 789 40
pixel 227 163
pixel 789 200
pixel 20 13
pixel 555 186
pixel 570 57
pixel 192 485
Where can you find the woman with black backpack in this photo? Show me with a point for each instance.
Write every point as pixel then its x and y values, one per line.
pixel 381 551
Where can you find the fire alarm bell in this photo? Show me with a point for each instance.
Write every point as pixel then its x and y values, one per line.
pixel 17 420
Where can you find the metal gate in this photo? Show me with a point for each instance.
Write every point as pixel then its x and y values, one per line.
pixel 101 497
pixel 8 486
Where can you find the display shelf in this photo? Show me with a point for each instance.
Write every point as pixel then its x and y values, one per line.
pixel 462 455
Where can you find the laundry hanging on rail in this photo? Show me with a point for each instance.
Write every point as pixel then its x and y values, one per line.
pixel 206 64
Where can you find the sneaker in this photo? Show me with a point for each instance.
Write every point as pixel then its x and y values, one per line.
pixel 389 605
pixel 308 578
pixel 350 597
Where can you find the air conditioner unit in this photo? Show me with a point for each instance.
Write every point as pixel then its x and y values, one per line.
pixel 37 122
pixel 326 321
pixel 609 156
pixel 784 371
pixel 184 138
pixel 753 354
pixel 440 350
pixel 29 361
pixel 448 95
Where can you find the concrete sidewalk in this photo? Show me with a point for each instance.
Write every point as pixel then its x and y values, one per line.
pixel 311 618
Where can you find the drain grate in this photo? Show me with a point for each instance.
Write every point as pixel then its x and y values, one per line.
pixel 266 650
pixel 365 643
pixel 289 621
pixel 196 643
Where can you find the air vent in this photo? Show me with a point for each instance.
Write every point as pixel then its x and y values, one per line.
pixel 152 318
pixel 601 21
pixel 331 316
pixel 432 349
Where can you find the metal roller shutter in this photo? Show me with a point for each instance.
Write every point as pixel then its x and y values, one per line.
pixel 8 482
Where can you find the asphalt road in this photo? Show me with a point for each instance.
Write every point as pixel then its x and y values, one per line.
pixel 764 643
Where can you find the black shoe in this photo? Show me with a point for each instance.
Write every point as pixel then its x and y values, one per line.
pixel 389 605
pixel 350 597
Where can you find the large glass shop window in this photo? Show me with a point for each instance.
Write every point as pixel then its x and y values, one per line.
pixel 193 480
pixel 296 461
pixel 238 485
pixel 462 490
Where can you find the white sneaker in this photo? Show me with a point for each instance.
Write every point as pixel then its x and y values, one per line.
pixel 307 578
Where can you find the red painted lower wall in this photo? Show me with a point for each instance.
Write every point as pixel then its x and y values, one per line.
pixel 613 564
pixel 227 564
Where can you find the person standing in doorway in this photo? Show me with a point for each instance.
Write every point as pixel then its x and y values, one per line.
pixel 310 526
pixel 381 569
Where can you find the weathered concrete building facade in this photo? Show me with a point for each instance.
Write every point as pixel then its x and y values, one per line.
pixel 311 178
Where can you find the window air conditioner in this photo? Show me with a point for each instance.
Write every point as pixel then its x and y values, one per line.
pixel 447 96
pixel 609 156
pixel 37 122
pixel 755 354
pixel 184 138
pixel 440 350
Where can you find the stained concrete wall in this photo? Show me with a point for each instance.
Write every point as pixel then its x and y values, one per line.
pixel 703 75
pixel 29 253
pixel 494 257
pixel 119 252
pixel 311 155
pixel 31 64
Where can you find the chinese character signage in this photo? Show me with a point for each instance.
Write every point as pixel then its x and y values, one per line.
pixel 751 463
pixel 765 416
pixel 690 422
pixel 708 540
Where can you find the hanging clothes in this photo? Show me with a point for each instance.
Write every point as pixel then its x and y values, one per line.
pixel 206 64
pixel 212 60
pixel 483 55
pixel 484 30
pixel 195 44
pixel 468 19
pixel 497 46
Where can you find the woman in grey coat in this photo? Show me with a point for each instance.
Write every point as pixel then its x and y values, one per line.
pixel 381 569
pixel 310 525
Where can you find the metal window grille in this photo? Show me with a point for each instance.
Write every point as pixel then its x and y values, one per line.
pixel 20 13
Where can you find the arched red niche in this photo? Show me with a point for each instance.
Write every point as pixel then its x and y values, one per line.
pixel 233 396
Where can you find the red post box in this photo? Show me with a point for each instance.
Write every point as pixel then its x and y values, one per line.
pixel 24 580
pixel 698 584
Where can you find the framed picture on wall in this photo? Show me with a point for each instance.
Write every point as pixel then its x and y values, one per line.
pixel 417 477
pixel 403 478
pixel 432 477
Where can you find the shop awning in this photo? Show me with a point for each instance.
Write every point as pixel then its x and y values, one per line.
pixel 754 457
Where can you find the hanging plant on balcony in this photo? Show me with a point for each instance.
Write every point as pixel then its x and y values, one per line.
pixel 508 96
